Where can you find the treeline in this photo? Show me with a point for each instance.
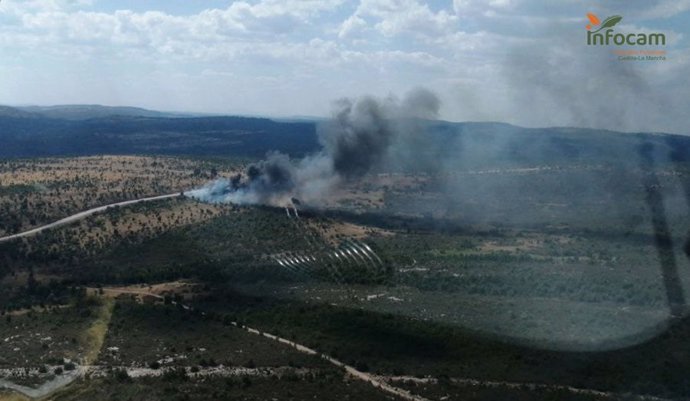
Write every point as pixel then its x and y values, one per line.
pixel 389 344
pixel 223 136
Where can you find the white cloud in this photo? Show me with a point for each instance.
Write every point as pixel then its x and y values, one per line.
pixel 664 9
pixel 352 26
pixel 292 56
pixel 396 17
pixel 274 16
pixel 301 9
pixel 481 7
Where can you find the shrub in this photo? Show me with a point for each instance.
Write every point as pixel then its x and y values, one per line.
pixel 175 375
pixel 121 375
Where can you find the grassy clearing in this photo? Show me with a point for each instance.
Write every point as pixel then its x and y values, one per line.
pixel 327 385
pixel 451 391
pixel 94 336
pixel 142 335
pixel 6 396
pixel 39 191
pixel 36 339
pixel 390 344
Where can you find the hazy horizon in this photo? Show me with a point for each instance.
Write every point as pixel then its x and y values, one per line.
pixel 513 61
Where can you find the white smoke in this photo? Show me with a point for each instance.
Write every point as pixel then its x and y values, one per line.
pixel 357 139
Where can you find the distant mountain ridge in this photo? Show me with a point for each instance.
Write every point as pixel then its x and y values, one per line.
pixel 30 134
pixel 76 130
pixel 88 111
pixel 13 112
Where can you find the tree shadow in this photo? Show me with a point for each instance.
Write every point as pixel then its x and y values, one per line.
pixel 663 239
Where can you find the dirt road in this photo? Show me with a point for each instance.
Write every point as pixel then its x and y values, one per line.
pixel 369 378
pixel 82 215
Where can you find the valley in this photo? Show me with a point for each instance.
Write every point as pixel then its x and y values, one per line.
pixel 526 278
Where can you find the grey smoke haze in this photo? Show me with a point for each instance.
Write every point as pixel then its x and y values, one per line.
pixel 556 79
pixel 359 137
pixel 583 90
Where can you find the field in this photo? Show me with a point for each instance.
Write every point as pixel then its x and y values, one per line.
pixel 521 280
pixel 39 191
pixel 327 385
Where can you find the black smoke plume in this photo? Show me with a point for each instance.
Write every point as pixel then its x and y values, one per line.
pixel 356 140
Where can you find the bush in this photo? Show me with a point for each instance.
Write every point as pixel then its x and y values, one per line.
pixel 155 365
pixel 69 366
pixel 121 375
pixel 175 375
pixel 51 360
pixel 58 371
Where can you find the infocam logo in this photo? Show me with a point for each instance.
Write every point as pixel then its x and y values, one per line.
pixel 609 37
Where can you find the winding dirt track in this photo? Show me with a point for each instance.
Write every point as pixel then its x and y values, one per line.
pixel 380 382
pixel 46 388
pixel 367 377
pixel 82 215
pixel 384 382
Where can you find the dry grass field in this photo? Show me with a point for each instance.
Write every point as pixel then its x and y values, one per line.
pixel 333 231
pixel 137 221
pixel 39 191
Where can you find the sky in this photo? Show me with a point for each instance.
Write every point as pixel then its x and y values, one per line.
pixel 524 62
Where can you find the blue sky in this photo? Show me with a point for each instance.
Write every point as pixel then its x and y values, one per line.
pixel 519 61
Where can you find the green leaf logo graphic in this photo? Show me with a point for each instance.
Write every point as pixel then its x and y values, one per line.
pixel 609 22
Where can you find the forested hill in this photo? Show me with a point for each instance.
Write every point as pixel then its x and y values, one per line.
pixel 25 133
pixel 30 135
